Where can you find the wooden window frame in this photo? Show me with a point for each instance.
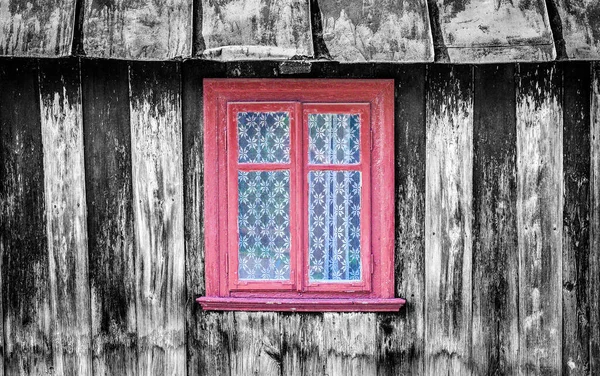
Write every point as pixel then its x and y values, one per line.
pixel 374 98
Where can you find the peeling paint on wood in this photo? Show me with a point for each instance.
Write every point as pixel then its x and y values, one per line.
pixel 486 31
pixel 448 220
pixel 27 317
pixel 580 21
pixel 254 29
pixel 107 143
pixel 576 220
pixel 495 256
pixel 64 182
pixel 36 27
pixel 539 217
pixel 594 260
pixel 157 175
pixel 401 336
pixel 130 29
pixel 377 30
pixel 350 344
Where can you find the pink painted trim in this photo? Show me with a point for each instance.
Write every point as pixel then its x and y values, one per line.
pixel 301 305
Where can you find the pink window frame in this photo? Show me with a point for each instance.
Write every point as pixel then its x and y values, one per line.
pixel 376 99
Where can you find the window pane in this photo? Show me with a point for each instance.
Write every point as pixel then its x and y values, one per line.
pixel 333 138
pixel 334 225
pixel 263 137
pixel 264 225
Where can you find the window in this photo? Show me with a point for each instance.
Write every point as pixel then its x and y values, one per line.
pixel 299 195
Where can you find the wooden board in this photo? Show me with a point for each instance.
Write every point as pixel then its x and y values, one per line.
pixel 377 30
pixel 349 343
pixel 107 142
pixel 495 257
pixel 539 217
pixel 594 257
pixel 23 239
pixel 302 349
pixel 157 176
pixel 129 29
pixel 253 29
pixel 448 220
pixel 64 182
pixel 36 28
pixel 400 337
pixel 576 220
pixel 486 31
pixel 580 21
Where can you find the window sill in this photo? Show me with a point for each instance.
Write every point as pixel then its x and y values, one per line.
pixel 300 305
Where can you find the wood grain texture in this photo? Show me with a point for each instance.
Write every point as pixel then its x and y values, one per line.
pixel 486 31
pixel 350 344
pixel 580 21
pixel 36 28
pixel 377 30
pixel 207 342
pixel 594 260
pixel 401 336
pixel 302 349
pixel 157 176
pixel 576 219
pixel 448 220
pixel 64 182
pixel 107 143
pixel 27 320
pixel 495 258
pixel 254 29
pixel 539 217
pixel 255 344
pixel 130 29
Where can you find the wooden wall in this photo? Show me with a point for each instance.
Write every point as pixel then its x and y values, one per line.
pixel 101 226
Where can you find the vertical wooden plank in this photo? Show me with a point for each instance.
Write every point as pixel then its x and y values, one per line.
pixel 350 343
pixel 36 27
pixel 594 260
pixel 448 220
pixel 137 30
pixel 576 220
pixel 64 182
pixel 580 23
pixel 157 175
pixel 539 217
pixel 207 347
pixel 23 237
pixel 495 257
pixel 401 336
pixel 107 143
pixel 302 349
pixel 255 344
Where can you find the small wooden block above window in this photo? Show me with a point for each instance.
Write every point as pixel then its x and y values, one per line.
pixel 299 195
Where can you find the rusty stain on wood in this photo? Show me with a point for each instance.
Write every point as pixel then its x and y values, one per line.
pixel 485 31
pixel 255 29
pixel 580 21
pixel 539 217
pixel 27 316
pixel 157 175
pixel 495 257
pixel 107 143
pixel 377 30
pixel 594 256
pixel 129 29
pixel 36 28
pixel 448 220
pixel 64 182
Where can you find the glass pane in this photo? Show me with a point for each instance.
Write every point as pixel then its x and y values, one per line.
pixel 334 225
pixel 333 138
pixel 263 137
pixel 264 225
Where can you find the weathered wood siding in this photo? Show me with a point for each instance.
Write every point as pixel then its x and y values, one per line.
pixel 580 27
pixel 497 239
